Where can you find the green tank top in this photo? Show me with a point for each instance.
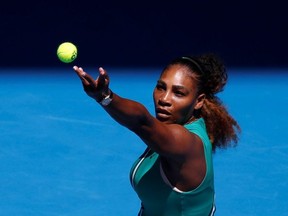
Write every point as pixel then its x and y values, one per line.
pixel 159 198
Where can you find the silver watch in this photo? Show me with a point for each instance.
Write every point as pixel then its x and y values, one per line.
pixel 107 100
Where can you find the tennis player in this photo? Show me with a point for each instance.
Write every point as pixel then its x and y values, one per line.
pixel 174 176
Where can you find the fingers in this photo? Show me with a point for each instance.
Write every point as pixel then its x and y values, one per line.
pixel 102 71
pixel 79 71
pixel 103 80
pixel 89 79
pixel 81 74
pixel 85 77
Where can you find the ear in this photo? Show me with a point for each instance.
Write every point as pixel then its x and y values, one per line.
pixel 199 101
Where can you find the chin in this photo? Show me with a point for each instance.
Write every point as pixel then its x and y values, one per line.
pixel 165 120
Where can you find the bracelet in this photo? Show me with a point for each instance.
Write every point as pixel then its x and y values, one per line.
pixel 107 100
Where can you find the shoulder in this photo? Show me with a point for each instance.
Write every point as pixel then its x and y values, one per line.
pixel 186 139
pixel 199 129
pixel 199 124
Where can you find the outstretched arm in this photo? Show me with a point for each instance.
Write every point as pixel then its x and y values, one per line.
pixel 126 112
pixel 167 139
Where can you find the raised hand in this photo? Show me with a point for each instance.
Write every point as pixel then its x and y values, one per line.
pixel 96 89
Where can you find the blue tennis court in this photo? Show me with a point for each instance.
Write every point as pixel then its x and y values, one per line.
pixel 61 154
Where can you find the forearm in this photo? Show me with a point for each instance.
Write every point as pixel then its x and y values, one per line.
pixel 128 113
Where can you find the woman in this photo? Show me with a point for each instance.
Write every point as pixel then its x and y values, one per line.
pixel 174 176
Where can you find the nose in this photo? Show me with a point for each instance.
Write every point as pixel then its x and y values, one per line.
pixel 165 99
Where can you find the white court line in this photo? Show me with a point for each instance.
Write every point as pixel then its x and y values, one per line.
pixel 74 121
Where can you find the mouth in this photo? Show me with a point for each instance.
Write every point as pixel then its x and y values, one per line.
pixel 162 113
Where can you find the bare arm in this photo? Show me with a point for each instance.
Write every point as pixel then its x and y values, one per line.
pixel 167 139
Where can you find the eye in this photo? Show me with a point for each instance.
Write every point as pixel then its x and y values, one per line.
pixel 160 86
pixel 179 93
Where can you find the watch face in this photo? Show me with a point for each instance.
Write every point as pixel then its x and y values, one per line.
pixel 106 101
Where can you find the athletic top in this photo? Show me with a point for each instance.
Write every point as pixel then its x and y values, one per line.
pixel 159 197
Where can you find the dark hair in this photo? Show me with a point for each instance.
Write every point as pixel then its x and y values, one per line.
pixel 211 76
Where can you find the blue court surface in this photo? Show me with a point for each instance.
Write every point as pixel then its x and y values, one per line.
pixel 61 154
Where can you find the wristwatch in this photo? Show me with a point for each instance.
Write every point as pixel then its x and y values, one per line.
pixel 107 100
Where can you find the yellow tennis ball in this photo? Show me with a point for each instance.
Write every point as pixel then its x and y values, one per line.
pixel 67 52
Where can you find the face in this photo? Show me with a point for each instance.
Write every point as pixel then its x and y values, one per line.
pixel 175 96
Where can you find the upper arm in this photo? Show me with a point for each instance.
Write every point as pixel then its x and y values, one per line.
pixel 170 140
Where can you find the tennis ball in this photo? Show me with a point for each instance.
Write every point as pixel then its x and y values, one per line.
pixel 67 52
